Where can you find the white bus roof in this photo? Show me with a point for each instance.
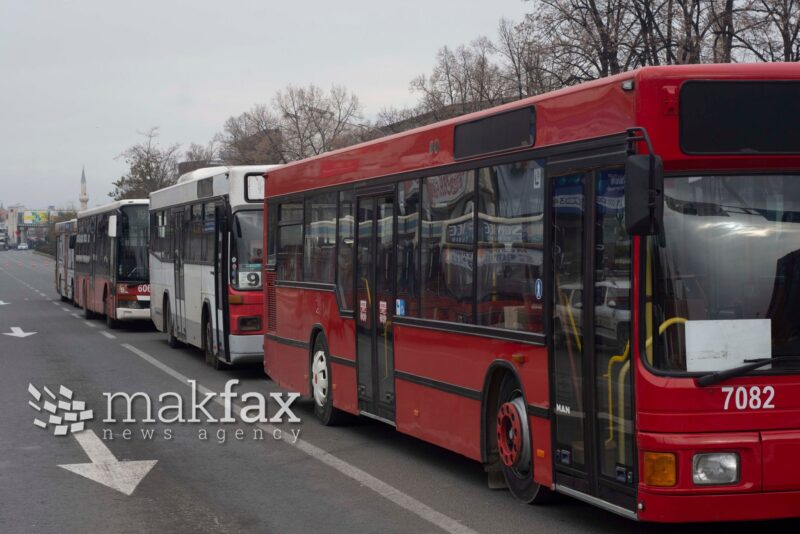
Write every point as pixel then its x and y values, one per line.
pixel 113 206
pixel 65 224
pixel 185 190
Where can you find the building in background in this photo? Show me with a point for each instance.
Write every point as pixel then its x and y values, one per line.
pixel 84 196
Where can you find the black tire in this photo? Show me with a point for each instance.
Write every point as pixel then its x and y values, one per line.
pixel 172 341
pixel 208 341
pixel 323 395
pixel 518 477
pixel 87 313
pixel 111 323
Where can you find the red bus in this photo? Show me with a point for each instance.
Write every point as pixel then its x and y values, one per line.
pixel 111 270
pixel 593 292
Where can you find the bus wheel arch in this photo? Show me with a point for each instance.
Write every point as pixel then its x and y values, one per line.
pixel 504 415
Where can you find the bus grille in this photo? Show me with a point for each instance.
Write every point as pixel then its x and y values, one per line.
pixel 272 316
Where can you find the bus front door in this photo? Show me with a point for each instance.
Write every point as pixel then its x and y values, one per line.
pixel 182 218
pixel 374 305
pixel 593 452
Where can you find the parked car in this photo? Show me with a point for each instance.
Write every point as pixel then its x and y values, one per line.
pixel 22 246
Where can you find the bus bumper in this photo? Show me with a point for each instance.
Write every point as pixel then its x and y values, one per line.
pixel 130 314
pixel 705 508
pixel 247 349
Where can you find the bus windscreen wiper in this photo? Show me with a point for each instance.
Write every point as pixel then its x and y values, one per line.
pixel 720 376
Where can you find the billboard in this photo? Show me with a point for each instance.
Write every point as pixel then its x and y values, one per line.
pixel 35 218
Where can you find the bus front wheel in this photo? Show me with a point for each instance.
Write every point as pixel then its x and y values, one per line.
pixel 208 345
pixel 87 313
pixel 514 444
pixel 111 323
pixel 172 341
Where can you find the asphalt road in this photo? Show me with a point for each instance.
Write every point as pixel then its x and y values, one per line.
pixel 363 477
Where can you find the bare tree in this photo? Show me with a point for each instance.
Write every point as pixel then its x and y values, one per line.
pixel 198 152
pixel 313 121
pixel 526 61
pixel 463 80
pixel 150 167
pixel 591 38
pixel 772 30
pixel 254 137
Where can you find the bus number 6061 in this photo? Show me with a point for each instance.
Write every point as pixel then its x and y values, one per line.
pixel 755 398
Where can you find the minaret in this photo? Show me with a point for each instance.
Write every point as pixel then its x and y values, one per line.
pixel 84 198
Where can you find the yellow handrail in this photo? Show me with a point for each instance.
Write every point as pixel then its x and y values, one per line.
pixel 614 359
pixel 369 297
pixel 621 377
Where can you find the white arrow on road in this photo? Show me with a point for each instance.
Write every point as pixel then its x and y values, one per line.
pixel 4 303
pixel 105 468
pixel 18 332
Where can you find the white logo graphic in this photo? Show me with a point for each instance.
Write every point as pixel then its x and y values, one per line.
pixel 63 412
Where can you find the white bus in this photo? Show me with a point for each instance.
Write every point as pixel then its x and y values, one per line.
pixel 206 252
pixel 65 234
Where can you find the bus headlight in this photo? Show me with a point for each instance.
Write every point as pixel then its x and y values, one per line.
pixel 716 468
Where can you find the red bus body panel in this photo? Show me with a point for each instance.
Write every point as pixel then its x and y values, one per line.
pixel 672 414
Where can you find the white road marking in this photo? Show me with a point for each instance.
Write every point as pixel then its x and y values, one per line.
pixel 75 315
pixel 105 468
pixel 109 335
pixel 87 323
pixel 18 332
pixel 66 309
pixel 380 487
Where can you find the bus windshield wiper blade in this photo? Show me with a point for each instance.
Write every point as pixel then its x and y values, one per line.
pixel 720 376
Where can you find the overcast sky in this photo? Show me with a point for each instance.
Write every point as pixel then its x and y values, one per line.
pixel 79 78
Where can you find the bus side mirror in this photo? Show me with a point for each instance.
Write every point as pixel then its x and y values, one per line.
pixel 644 194
pixel 112 226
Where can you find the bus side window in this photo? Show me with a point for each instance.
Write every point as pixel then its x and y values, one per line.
pixel 510 246
pixel 344 270
pixel 290 242
pixel 448 247
pixel 408 200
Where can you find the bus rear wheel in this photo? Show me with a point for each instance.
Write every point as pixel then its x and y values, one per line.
pixel 514 444
pixel 322 385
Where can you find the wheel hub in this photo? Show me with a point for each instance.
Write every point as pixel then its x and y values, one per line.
pixel 513 439
pixel 319 377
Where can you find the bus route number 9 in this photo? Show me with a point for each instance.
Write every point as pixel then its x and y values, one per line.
pixel 754 398
pixel 250 279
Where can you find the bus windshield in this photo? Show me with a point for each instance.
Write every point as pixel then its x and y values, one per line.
pixel 247 249
pixel 133 227
pixel 726 273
